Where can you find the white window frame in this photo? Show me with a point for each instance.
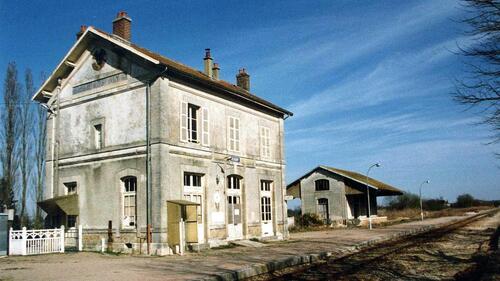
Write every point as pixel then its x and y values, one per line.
pixel 98 136
pixel 233 124
pixel 265 142
pixel 202 124
pixel 129 194
pixel 266 195
pixel 190 187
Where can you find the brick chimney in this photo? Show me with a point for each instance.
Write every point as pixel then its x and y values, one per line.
pixel 243 79
pixel 80 33
pixel 215 71
pixel 208 62
pixel 122 25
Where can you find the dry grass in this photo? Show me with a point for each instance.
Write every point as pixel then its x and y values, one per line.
pixel 412 214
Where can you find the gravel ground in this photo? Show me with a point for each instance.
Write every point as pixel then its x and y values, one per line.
pixel 450 257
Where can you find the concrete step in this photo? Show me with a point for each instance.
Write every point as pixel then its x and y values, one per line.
pixel 248 243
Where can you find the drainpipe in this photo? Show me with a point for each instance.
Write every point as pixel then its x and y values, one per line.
pixel 283 203
pixel 148 160
pixel 55 141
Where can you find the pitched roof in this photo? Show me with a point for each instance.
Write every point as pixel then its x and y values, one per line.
pixel 357 177
pixel 172 66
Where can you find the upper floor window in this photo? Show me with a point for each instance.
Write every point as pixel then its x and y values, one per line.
pixel 70 187
pixel 265 147
pixel 98 137
pixel 234 134
pixel 193 133
pixel 322 185
pixel 192 180
pixel 129 201
pixel 194 124
pixel 233 182
pixel 265 185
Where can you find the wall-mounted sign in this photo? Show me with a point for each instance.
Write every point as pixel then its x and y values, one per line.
pixel 234 159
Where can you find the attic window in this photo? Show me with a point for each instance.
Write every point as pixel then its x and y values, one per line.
pixel 322 185
pixel 100 58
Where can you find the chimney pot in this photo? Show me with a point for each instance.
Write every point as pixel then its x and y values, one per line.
pixel 243 79
pixel 80 33
pixel 122 25
pixel 208 62
pixel 215 71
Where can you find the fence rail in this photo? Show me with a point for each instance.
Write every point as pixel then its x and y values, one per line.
pixel 43 241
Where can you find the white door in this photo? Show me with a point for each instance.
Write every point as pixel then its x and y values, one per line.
pixel 234 225
pixel 266 208
pixel 193 191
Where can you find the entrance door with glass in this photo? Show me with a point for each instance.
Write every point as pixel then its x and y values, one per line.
pixel 266 208
pixel 234 210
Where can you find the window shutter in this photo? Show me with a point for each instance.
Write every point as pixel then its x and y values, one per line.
pixel 205 137
pixel 184 120
pixel 237 134
pixel 262 142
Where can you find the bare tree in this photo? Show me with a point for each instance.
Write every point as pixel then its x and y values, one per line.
pixel 9 126
pixel 25 143
pixel 482 88
pixel 40 145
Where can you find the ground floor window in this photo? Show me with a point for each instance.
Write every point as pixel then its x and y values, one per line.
pixel 129 201
pixel 197 199
pixel 71 221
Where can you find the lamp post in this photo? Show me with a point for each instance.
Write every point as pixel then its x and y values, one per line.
pixel 420 195
pixel 368 193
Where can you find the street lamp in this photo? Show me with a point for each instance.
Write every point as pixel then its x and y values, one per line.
pixel 368 193
pixel 420 195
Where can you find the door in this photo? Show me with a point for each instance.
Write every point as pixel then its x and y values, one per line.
pixel 323 210
pixel 198 198
pixel 266 208
pixel 234 225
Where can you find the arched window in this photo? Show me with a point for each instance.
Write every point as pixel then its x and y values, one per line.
pixel 129 201
pixel 322 185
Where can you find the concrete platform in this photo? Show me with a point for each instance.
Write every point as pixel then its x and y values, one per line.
pixel 223 264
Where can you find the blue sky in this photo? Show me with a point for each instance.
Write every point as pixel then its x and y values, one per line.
pixel 368 81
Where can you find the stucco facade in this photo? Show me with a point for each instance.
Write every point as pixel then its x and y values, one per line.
pixel 98 135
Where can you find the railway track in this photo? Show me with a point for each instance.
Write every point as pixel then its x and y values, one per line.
pixel 390 256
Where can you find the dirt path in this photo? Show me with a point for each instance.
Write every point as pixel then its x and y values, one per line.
pixel 443 257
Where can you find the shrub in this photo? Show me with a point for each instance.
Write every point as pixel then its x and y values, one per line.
pixel 465 201
pixel 308 219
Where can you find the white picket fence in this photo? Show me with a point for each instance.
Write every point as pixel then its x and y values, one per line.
pixel 42 241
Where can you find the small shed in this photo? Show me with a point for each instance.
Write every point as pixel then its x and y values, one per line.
pixel 182 223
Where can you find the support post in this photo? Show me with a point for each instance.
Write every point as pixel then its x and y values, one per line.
pixel 62 239
pixel 182 238
pixel 80 238
pixel 23 244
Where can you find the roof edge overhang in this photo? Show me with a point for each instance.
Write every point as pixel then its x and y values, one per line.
pixel 51 82
pixel 79 46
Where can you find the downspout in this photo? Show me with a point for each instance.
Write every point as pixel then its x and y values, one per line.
pixel 55 142
pixel 283 203
pixel 148 160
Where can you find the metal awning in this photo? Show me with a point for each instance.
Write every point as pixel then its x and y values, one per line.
pixel 183 202
pixel 67 203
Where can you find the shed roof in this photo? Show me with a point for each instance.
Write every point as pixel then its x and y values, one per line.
pixel 384 188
